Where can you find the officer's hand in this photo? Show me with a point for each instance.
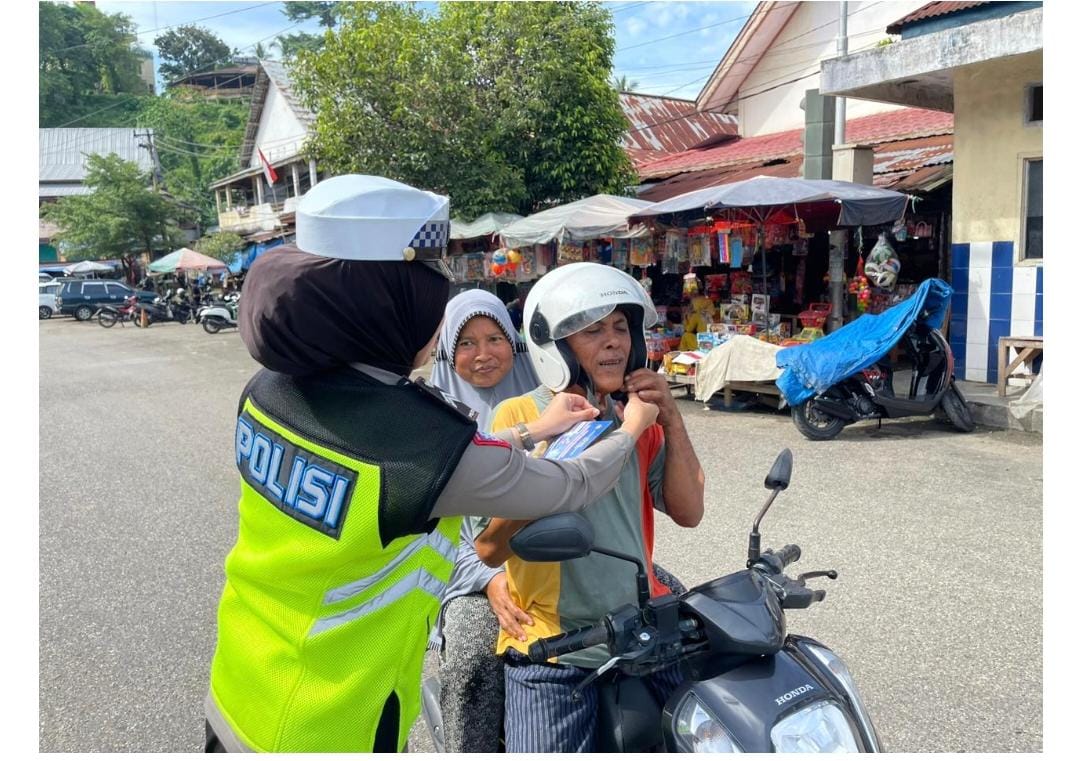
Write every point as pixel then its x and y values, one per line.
pixel 637 415
pixel 652 387
pixel 506 610
pixel 564 412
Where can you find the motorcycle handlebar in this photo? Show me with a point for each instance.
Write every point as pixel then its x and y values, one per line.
pixel 788 554
pixel 560 644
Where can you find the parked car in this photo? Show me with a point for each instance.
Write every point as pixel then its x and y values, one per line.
pixel 47 293
pixel 44 277
pixel 81 298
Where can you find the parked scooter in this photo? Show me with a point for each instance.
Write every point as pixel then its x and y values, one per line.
pixel 108 315
pixel 170 308
pixel 869 394
pixel 750 687
pixel 220 315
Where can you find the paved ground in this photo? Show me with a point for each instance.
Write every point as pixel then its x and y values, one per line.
pixel 936 535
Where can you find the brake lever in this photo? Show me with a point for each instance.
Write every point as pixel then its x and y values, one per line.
pixel 803 577
pixel 575 696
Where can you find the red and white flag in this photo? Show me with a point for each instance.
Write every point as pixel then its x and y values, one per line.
pixel 271 175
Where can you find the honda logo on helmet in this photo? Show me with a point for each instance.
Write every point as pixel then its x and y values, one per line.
pixel 617 292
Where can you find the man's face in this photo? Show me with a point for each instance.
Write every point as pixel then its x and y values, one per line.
pixel 602 350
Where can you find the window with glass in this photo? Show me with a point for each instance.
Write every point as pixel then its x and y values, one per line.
pixel 1033 209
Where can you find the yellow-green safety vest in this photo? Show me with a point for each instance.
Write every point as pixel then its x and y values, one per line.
pixel 321 628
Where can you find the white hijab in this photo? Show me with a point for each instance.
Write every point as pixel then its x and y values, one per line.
pixel 520 380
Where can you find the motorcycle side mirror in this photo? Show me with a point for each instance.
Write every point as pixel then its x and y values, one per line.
pixel 566 536
pixel 778 479
pixel 780 475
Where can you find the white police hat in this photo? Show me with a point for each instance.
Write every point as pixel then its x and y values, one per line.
pixel 365 218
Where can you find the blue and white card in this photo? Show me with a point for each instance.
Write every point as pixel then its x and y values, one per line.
pixel 576 440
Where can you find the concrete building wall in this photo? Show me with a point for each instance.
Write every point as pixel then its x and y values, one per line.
pixel 807 38
pixel 997 293
pixel 280 133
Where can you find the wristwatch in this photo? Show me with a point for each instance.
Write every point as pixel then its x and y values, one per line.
pixel 526 439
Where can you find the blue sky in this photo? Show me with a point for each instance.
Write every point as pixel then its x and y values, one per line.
pixel 669 48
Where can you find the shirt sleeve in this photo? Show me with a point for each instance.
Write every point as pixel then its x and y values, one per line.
pixel 493 479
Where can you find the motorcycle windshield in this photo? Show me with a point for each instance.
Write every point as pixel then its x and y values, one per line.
pixel 812 368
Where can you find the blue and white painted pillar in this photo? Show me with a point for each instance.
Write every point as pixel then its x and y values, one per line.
pixel 995 297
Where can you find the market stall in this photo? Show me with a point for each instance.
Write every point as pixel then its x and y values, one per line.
pixel 752 257
pixel 473 246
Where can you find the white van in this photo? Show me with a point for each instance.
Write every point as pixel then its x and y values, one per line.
pixel 47 299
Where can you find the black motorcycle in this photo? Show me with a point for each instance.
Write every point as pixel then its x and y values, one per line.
pixel 871 393
pixel 749 686
pixel 168 309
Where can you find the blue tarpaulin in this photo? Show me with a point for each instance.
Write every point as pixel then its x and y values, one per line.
pixel 255 250
pixel 812 368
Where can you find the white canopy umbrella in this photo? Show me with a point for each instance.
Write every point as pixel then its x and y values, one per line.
pixel 483 226
pixel 86 267
pixel 599 216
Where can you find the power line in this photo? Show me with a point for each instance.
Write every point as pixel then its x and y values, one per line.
pixel 201 69
pixel 691 31
pixel 173 26
pixel 752 59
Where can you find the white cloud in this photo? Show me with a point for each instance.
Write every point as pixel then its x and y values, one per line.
pixel 635 26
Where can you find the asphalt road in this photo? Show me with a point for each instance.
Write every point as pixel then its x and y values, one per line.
pixel 936 535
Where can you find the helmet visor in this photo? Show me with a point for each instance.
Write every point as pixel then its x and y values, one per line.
pixel 581 320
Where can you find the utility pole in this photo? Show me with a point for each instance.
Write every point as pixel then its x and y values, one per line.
pixel 155 164
pixel 841 102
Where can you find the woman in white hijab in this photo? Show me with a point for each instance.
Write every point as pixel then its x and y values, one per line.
pixel 480 361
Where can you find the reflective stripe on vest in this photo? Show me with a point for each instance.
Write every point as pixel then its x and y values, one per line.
pixel 418 579
pixel 435 540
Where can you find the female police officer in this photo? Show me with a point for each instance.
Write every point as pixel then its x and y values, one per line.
pixel 351 475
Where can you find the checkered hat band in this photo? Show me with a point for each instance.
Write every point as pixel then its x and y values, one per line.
pixel 432 235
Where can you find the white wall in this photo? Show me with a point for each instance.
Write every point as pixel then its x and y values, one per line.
pixel 280 134
pixel 808 37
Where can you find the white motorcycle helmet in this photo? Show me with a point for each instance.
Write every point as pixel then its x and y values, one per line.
pixel 570 299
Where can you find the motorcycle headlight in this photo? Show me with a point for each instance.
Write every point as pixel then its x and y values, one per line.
pixel 819 728
pixel 839 669
pixel 698 731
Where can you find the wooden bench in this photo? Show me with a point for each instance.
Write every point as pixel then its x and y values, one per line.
pixel 1028 348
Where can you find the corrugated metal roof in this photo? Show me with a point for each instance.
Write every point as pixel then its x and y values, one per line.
pixel 661 126
pixel 930 10
pixel 62 151
pixel 914 164
pixel 877 128
pixel 279 75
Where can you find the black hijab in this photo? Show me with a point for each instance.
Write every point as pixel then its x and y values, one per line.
pixel 301 313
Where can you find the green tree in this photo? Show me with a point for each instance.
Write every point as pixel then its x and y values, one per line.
pixel 87 60
pixel 120 218
pixel 327 13
pixel 189 49
pixel 197 141
pixel 502 108
pixel 224 246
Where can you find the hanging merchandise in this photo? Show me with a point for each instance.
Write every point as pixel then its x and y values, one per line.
pixel 899 231
pixel 801 247
pixel 882 266
pixel 620 253
pixel 641 252
pixel 674 252
pixel 715 285
pixel 571 250
pixel 737 245
pixel 603 251
pixel 740 283
pixel 699 249
pixel 800 281
pixel 723 248
pixel 924 230
pixel 691 286
pixel 775 235
pixel 646 283
pixel 475 267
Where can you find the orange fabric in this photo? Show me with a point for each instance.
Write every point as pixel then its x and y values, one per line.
pixel 648 446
